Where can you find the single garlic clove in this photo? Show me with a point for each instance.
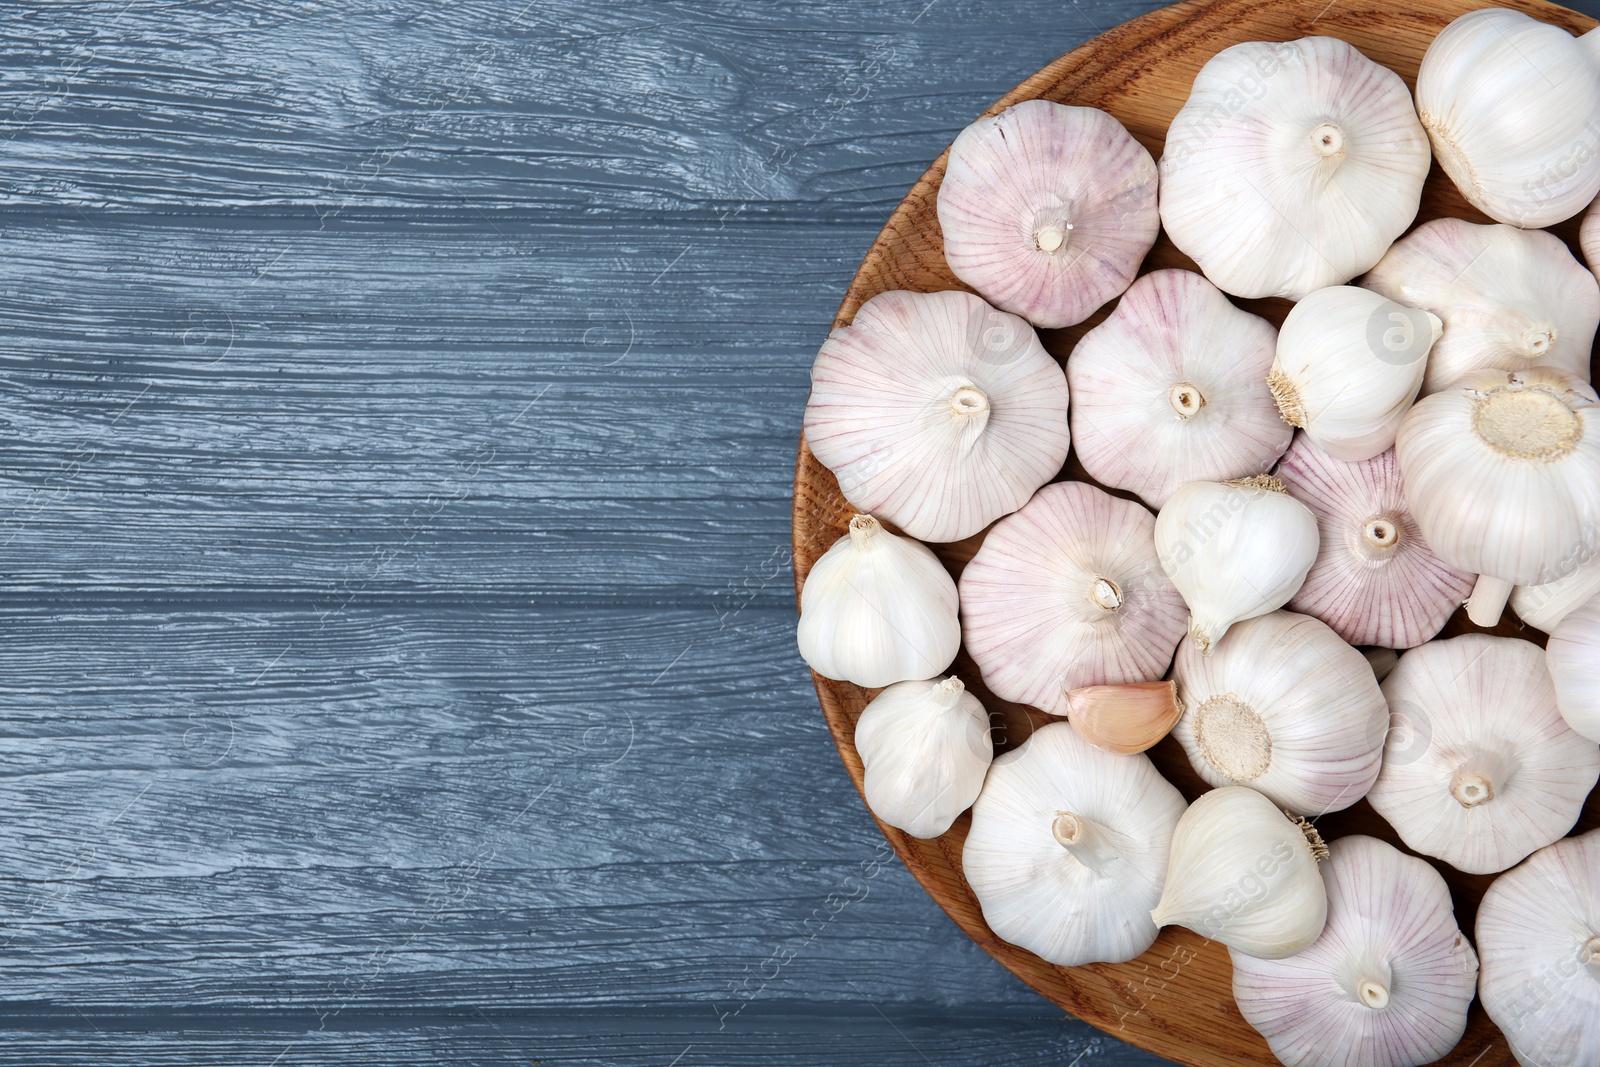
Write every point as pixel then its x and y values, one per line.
pixel 1292 166
pixel 1508 102
pixel 1388 982
pixel 1349 364
pixel 1170 389
pixel 1245 874
pixel 1375 581
pixel 1509 299
pixel 1479 769
pixel 1235 550
pixel 1068 848
pixel 937 412
pixel 1284 706
pixel 1544 606
pixel 1538 934
pixel 1573 658
pixel 1047 210
pixel 1124 718
pixel 878 609
pixel 1066 593
pixel 925 747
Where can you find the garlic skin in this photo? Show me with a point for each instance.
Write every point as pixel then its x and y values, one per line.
pixel 1544 606
pixel 1292 166
pixel 1538 933
pixel 1170 389
pixel 878 609
pixel 1388 982
pixel 1235 550
pixel 1286 707
pixel 1245 874
pixel 937 412
pixel 925 746
pixel 1509 299
pixel 1124 718
pixel 1573 658
pixel 1067 593
pixel 1375 581
pixel 1068 848
pixel 1486 770
pixel 1508 102
pixel 1048 210
pixel 1349 365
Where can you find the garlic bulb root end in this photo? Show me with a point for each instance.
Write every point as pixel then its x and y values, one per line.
pixel 1488 600
pixel 1314 841
pixel 1532 422
pixel 1290 407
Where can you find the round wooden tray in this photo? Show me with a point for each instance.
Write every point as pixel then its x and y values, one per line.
pixel 1176 999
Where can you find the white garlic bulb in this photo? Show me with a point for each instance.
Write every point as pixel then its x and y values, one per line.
pixel 878 609
pixel 1067 593
pixel 1375 581
pixel 1047 210
pixel 1508 102
pixel 1245 874
pixel 1349 365
pixel 1068 848
pixel 1544 606
pixel 1573 658
pixel 1388 982
pixel 1291 167
pixel 925 747
pixel 1502 471
pixel 937 412
pixel 1235 550
pixel 1284 706
pixel 1539 937
pixel 1480 768
pixel 1170 389
pixel 1509 298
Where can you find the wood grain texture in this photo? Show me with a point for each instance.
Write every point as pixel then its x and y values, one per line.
pixel 1176 999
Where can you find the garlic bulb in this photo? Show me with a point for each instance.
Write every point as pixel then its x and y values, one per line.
pixel 1375 581
pixel 1068 848
pixel 1235 550
pixel 1170 389
pixel 1485 770
pixel 1245 874
pixel 1509 299
pixel 1349 365
pixel 925 746
pixel 1544 606
pixel 1502 471
pixel 1291 167
pixel 1124 718
pixel 1539 935
pixel 1508 102
pixel 1284 706
pixel 937 412
pixel 1388 982
pixel 1047 210
pixel 1068 593
pixel 1573 658
pixel 878 609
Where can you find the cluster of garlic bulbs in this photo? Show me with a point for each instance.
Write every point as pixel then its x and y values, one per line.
pixel 1294 515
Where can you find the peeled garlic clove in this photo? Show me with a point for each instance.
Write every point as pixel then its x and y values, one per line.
pixel 1235 550
pixel 1539 935
pixel 1388 982
pixel 1291 167
pixel 1284 706
pixel 1170 389
pixel 1508 102
pixel 1349 364
pixel 1245 874
pixel 1573 658
pixel 1047 210
pixel 1502 471
pixel 1067 593
pixel 1481 769
pixel 1509 299
pixel 1068 848
pixel 1124 718
pixel 925 747
pixel 1544 606
pixel 937 412
pixel 878 609
pixel 1375 581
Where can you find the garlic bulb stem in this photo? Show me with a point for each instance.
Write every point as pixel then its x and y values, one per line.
pixel 1186 400
pixel 1538 339
pixel 1104 594
pixel 969 400
pixel 1488 600
pixel 1088 844
pixel 863 528
pixel 1373 994
pixel 1327 140
pixel 1379 536
pixel 1053 239
pixel 1591 952
pixel 1471 788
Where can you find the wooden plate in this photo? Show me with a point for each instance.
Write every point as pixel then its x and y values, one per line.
pixel 1175 1000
